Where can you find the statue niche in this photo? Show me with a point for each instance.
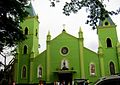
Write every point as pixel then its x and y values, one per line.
pixel 65 65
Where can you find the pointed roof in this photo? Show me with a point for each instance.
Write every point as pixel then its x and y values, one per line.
pixel 107 19
pixel 48 36
pixel 31 10
pixel 48 32
pixel 64 34
pixel 80 29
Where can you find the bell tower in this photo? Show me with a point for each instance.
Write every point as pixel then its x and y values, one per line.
pixel 108 39
pixel 107 33
pixel 28 49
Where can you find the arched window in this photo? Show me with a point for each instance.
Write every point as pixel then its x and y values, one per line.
pixel 112 68
pixel 64 65
pixel 25 49
pixel 24 72
pixel 109 43
pixel 92 69
pixel 39 72
pixel 26 31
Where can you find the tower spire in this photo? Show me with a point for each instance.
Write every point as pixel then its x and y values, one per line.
pixel 31 10
pixel 48 36
pixel 80 33
pixel 81 45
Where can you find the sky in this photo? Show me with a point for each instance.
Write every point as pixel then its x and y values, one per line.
pixel 52 19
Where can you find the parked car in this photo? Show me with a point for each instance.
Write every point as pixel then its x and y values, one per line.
pixel 110 80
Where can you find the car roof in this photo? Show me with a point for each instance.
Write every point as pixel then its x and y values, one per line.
pixel 107 78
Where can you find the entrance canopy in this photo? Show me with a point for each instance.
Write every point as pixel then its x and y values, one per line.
pixel 65 71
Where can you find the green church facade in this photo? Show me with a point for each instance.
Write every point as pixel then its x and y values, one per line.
pixel 66 58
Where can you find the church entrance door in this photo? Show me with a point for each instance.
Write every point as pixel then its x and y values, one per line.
pixel 65 78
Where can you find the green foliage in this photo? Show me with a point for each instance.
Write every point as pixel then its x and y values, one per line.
pixel 11 13
pixel 53 2
pixel 96 10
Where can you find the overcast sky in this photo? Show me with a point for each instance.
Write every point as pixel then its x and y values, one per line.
pixel 52 19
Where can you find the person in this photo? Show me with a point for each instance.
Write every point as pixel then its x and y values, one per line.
pixel 13 83
pixel 55 82
pixel 63 82
pixel 40 82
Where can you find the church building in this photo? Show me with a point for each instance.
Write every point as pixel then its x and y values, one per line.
pixel 66 59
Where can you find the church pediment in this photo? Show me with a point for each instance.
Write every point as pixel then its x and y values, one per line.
pixel 64 36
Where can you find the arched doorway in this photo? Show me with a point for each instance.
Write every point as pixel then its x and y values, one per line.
pixel 65 78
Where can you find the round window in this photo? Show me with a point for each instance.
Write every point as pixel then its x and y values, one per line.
pixel 64 50
pixel 106 23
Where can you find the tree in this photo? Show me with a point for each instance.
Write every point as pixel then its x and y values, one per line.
pixel 96 9
pixel 12 12
pixel 7 67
